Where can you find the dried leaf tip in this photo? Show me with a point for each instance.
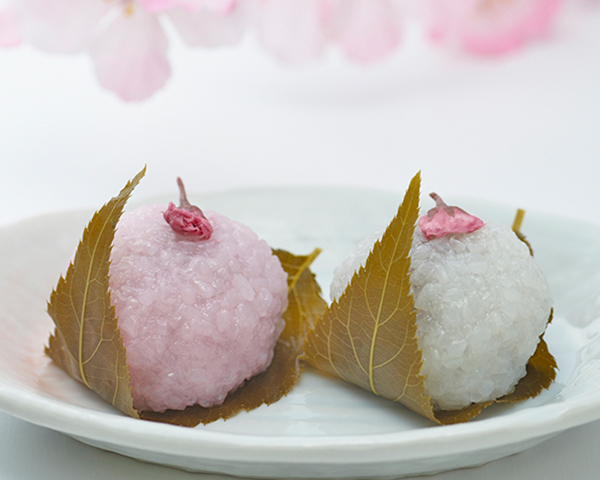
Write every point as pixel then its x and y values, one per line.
pixel 187 219
pixel 516 227
pixel 518 222
pixel 444 220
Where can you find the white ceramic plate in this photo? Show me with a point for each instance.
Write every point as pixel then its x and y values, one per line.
pixel 324 428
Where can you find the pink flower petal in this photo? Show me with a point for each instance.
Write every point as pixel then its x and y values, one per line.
pixel 223 7
pixel 188 223
pixel 9 31
pixel 499 28
pixel 187 219
pixel 130 56
pixel 370 29
pixel 444 220
pixel 299 30
pixel 64 26
pixel 446 18
pixel 209 29
pixel 492 26
pixel 293 30
pixel 154 6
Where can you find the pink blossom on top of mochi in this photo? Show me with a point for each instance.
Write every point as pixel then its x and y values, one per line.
pixel 126 38
pixel 444 220
pixel 300 30
pixel 187 222
pixel 187 219
pixel 490 27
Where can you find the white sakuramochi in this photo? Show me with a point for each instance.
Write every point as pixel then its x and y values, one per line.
pixel 481 305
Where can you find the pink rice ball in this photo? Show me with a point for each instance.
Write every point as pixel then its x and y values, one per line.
pixel 197 317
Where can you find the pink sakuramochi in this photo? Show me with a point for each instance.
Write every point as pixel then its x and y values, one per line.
pixel 199 300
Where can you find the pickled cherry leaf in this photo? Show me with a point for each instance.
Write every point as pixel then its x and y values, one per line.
pixel 305 304
pixel 516 227
pixel 368 336
pixel 86 342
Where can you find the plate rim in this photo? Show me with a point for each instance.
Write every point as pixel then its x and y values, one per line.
pixel 558 416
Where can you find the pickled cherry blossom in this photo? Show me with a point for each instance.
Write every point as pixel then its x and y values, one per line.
pixel 444 220
pixel 187 219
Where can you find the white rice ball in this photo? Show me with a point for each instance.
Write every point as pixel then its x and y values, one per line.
pixel 197 317
pixel 482 303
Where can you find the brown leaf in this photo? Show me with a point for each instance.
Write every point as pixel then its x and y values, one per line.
pixel 516 227
pixel 367 337
pixel 305 304
pixel 87 342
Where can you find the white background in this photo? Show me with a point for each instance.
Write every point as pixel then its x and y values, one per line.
pixel 523 130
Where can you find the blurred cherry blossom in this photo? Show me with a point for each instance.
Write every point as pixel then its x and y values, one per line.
pixel 299 30
pixel 125 38
pixel 9 31
pixel 491 26
pixel 128 44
